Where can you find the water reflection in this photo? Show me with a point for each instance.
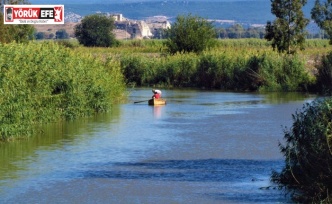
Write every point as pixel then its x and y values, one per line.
pixel 201 170
pixel 204 146
pixel 157 111
pixel 23 155
pixel 278 98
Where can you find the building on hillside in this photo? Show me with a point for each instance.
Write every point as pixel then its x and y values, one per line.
pixel 138 29
pixel 158 27
pixel 117 16
pixel 133 29
pixel 152 27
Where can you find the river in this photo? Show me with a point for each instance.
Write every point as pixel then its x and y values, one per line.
pixel 202 147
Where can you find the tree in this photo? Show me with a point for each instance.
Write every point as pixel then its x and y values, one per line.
pixel 236 31
pixel 221 33
pixel 61 34
pixel 96 30
pixel 321 13
pixel 40 36
pixel 51 36
pixel 18 33
pixel 190 34
pixel 252 33
pixel 287 32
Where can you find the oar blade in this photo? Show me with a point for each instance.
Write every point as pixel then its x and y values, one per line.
pixel 141 101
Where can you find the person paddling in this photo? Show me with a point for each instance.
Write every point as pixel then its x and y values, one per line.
pixel 156 94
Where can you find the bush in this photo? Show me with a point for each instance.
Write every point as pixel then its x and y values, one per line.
pixel 61 34
pixel 46 82
pixel 308 154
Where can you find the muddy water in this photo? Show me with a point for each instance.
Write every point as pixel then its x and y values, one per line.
pixel 202 147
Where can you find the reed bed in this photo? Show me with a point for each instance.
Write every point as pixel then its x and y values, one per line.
pixel 232 64
pixel 46 82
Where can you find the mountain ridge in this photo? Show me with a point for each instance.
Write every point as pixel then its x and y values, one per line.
pixel 246 12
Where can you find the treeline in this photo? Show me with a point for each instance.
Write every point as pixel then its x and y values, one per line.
pixel 59 34
pixel 237 31
pixel 46 82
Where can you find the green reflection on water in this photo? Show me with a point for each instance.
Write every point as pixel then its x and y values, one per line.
pixel 278 97
pixel 15 155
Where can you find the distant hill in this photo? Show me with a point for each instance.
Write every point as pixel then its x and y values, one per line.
pixel 246 12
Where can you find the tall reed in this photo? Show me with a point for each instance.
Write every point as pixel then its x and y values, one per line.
pixel 237 70
pixel 45 82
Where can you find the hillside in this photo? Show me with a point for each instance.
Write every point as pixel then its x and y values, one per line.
pixel 224 12
pixel 238 11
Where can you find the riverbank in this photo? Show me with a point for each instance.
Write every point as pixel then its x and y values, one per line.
pixel 235 65
pixel 46 82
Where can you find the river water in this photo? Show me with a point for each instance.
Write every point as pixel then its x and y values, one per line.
pixel 202 147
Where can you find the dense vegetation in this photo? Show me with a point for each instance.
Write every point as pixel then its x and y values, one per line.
pixel 324 75
pixel 248 64
pixel 17 33
pixel 308 154
pixel 220 70
pixel 45 82
pixel 243 65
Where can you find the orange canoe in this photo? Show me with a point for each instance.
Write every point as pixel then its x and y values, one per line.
pixel 156 102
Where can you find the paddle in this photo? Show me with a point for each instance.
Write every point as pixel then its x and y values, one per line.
pixel 140 101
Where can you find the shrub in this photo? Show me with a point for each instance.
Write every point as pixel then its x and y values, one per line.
pixel 308 154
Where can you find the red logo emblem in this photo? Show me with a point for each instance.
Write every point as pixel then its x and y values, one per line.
pixel 58 14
